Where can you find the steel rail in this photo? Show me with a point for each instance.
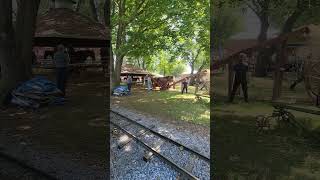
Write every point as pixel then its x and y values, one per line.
pixel 207 159
pixel 167 160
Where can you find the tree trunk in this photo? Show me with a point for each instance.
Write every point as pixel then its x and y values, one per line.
pixel 262 58
pixel 107 21
pixel 25 28
pixel 94 10
pixel 278 74
pixel 197 78
pixel 107 13
pixel 192 79
pixel 16 48
pixel 117 70
pixel 144 64
pixel 119 41
pixel 230 79
pixel 289 24
pixel 7 66
pixel 195 58
pixel 79 4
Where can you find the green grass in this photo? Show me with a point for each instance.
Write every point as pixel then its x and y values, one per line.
pixel 242 153
pixel 261 89
pixel 171 105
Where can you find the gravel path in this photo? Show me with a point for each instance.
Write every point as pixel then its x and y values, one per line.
pixel 128 163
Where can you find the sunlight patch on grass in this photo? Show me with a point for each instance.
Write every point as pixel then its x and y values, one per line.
pixel 205 115
pixel 168 105
pixel 182 96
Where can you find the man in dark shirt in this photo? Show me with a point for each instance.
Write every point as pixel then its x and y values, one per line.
pixel 185 85
pixel 129 82
pixel 61 61
pixel 241 69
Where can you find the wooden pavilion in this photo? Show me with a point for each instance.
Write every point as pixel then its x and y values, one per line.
pixel 62 25
pixel 138 74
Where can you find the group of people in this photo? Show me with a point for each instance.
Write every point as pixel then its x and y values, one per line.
pixel 148 81
pixel 61 61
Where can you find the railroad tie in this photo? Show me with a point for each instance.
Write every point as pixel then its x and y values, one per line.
pixel 190 165
pixel 148 154
pixel 124 143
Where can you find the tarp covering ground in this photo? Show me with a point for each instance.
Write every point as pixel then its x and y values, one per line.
pixel 121 91
pixel 37 92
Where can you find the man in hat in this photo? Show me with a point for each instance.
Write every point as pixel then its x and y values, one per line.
pixel 241 69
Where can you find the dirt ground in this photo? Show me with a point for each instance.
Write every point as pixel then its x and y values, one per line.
pixel 76 129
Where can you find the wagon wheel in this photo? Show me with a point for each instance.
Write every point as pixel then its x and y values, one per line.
pixel 312 80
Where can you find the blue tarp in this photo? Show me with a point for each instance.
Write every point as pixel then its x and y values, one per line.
pixel 37 92
pixel 121 91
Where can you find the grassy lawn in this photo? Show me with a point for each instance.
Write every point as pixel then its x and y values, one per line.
pixel 241 153
pixel 261 89
pixel 170 105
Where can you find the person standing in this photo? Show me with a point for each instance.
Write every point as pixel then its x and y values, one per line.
pixel 61 61
pixel 129 82
pixel 241 69
pixel 185 85
pixel 149 82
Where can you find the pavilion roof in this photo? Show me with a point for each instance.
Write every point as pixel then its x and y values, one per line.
pixel 133 70
pixel 62 24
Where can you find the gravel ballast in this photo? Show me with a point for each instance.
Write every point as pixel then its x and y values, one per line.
pixel 127 163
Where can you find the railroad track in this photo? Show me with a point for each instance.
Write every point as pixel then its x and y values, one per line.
pixel 13 168
pixel 137 132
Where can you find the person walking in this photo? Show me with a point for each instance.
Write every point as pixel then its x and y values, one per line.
pixel 129 82
pixel 241 69
pixel 61 61
pixel 149 82
pixel 185 85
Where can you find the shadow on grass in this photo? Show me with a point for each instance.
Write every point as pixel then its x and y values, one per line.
pixel 241 153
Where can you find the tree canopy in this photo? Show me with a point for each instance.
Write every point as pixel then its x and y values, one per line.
pixel 143 30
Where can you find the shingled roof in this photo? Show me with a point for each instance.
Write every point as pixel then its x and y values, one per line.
pixel 62 24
